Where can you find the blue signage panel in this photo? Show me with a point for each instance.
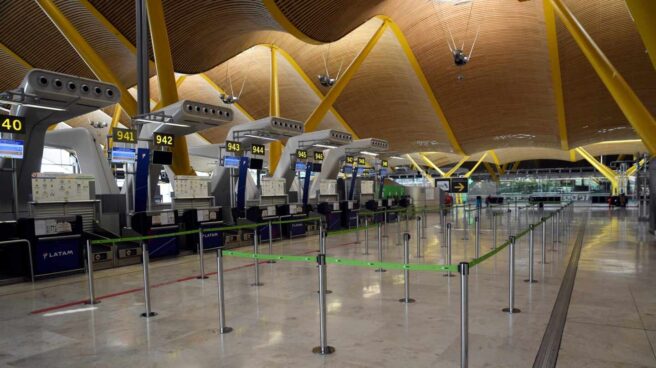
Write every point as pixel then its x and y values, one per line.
pixel 11 148
pixel 123 155
pixel 231 162
pixel 57 255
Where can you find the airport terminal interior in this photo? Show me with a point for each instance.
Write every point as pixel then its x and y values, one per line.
pixel 327 183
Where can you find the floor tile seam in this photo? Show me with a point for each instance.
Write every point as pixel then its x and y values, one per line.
pixel 574 320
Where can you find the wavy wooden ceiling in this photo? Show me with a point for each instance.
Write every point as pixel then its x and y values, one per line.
pixel 504 100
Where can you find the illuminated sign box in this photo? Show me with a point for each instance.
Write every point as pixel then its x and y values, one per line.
pixel 123 155
pixel 11 148
pixel 231 162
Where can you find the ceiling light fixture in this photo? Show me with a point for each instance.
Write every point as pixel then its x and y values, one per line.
pixel 369 153
pixel 36 106
pixel 260 137
pixel 324 146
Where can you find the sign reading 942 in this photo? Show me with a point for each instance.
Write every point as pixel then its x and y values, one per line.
pixel 233 146
pixel 162 139
pixel 12 124
pixel 124 135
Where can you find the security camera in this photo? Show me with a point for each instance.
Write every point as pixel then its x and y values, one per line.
pixel 459 57
pixel 326 80
pixel 229 99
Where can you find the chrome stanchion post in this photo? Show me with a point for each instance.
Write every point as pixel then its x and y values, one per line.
pixel 407 221
pixel 357 228
pixel 380 248
pixel 419 231
pixel 494 230
pixel 398 228
pixel 463 269
pixel 323 347
pixel 385 214
pixel 531 254
pixel 223 329
pixel 406 272
pixel 465 212
pixel 257 262
pixel 90 280
pixel 201 253
pixel 366 236
pixel 558 226
pixel 448 248
pixel 146 278
pixel 271 239
pixel 511 278
pixel 509 224
pixel 544 240
pixel 553 231
pixel 478 236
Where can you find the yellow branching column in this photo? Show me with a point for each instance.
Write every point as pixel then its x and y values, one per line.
pixel 166 80
pixel 275 148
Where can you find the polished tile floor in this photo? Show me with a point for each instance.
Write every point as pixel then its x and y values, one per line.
pixel 611 321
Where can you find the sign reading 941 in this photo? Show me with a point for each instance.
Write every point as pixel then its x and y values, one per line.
pixel 233 146
pixel 12 124
pixel 257 149
pixel 124 135
pixel 161 139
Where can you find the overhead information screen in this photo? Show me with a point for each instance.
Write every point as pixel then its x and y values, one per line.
pixel 11 148
pixel 162 139
pixel 257 149
pixel 162 157
pixel 233 146
pixel 301 166
pixel 123 155
pixel 231 162
pixel 12 124
pixel 256 164
pixel 124 135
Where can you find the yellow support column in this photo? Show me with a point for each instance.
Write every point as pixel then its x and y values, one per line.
pixel 275 148
pixel 556 80
pixel 166 79
pixel 468 174
pixel 455 168
pixel 335 91
pixel 644 13
pixel 431 164
pixel 87 53
pixel 607 172
pixel 497 163
pixel 634 110
pixel 423 173
pixel 491 171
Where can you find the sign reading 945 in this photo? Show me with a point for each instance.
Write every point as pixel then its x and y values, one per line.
pixel 124 135
pixel 318 156
pixel 257 149
pixel 349 160
pixel 12 124
pixel 162 139
pixel 301 154
pixel 233 146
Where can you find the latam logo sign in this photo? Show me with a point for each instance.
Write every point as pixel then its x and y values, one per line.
pixel 61 253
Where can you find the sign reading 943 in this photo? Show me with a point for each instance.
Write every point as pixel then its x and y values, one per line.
pixel 301 154
pixel 257 149
pixel 12 124
pixel 233 146
pixel 124 135
pixel 161 139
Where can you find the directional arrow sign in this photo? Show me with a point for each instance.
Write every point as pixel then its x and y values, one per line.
pixel 459 185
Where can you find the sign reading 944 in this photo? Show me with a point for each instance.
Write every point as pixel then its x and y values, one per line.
pixel 162 139
pixel 12 124
pixel 257 149
pixel 233 146
pixel 301 154
pixel 361 161
pixel 318 156
pixel 124 135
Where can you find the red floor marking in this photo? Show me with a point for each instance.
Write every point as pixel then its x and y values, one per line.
pixel 165 283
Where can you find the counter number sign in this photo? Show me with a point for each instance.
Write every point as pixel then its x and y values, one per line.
pixel 318 156
pixel 161 139
pixel 257 149
pixel 233 146
pixel 124 135
pixel 349 160
pixel 384 163
pixel 301 154
pixel 12 124
pixel 361 161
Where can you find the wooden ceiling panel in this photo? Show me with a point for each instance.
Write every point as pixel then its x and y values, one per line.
pixel 12 70
pixel 385 100
pixel 592 114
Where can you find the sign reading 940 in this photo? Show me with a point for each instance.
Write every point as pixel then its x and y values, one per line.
pixel 233 146
pixel 12 124
pixel 162 139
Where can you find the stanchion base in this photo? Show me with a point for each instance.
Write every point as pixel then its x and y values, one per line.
pixel 419 256
pixel 271 261
pixel 380 270
pixel 449 275
pixel 89 302
pixel 327 291
pixel 544 262
pixel 508 310
pixel 326 351
pixel 224 330
pixel 148 315
pixel 409 300
pixel 366 254
pixel 531 281
pixel 257 284
pixel 202 277
pixel 357 242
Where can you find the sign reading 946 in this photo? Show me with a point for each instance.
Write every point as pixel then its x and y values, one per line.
pixel 12 124
pixel 384 163
pixel 257 149
pixel 124 135
pixel 162 139
pixel 233 146
pixel 301 154
pixel 318 156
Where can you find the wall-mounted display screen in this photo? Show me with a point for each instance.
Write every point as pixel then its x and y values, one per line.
pixel 10 148
pixel 123 155
pixel 316 167
pixel 231 162
pixel 301 166
pixel 162 157
pixel 256 164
